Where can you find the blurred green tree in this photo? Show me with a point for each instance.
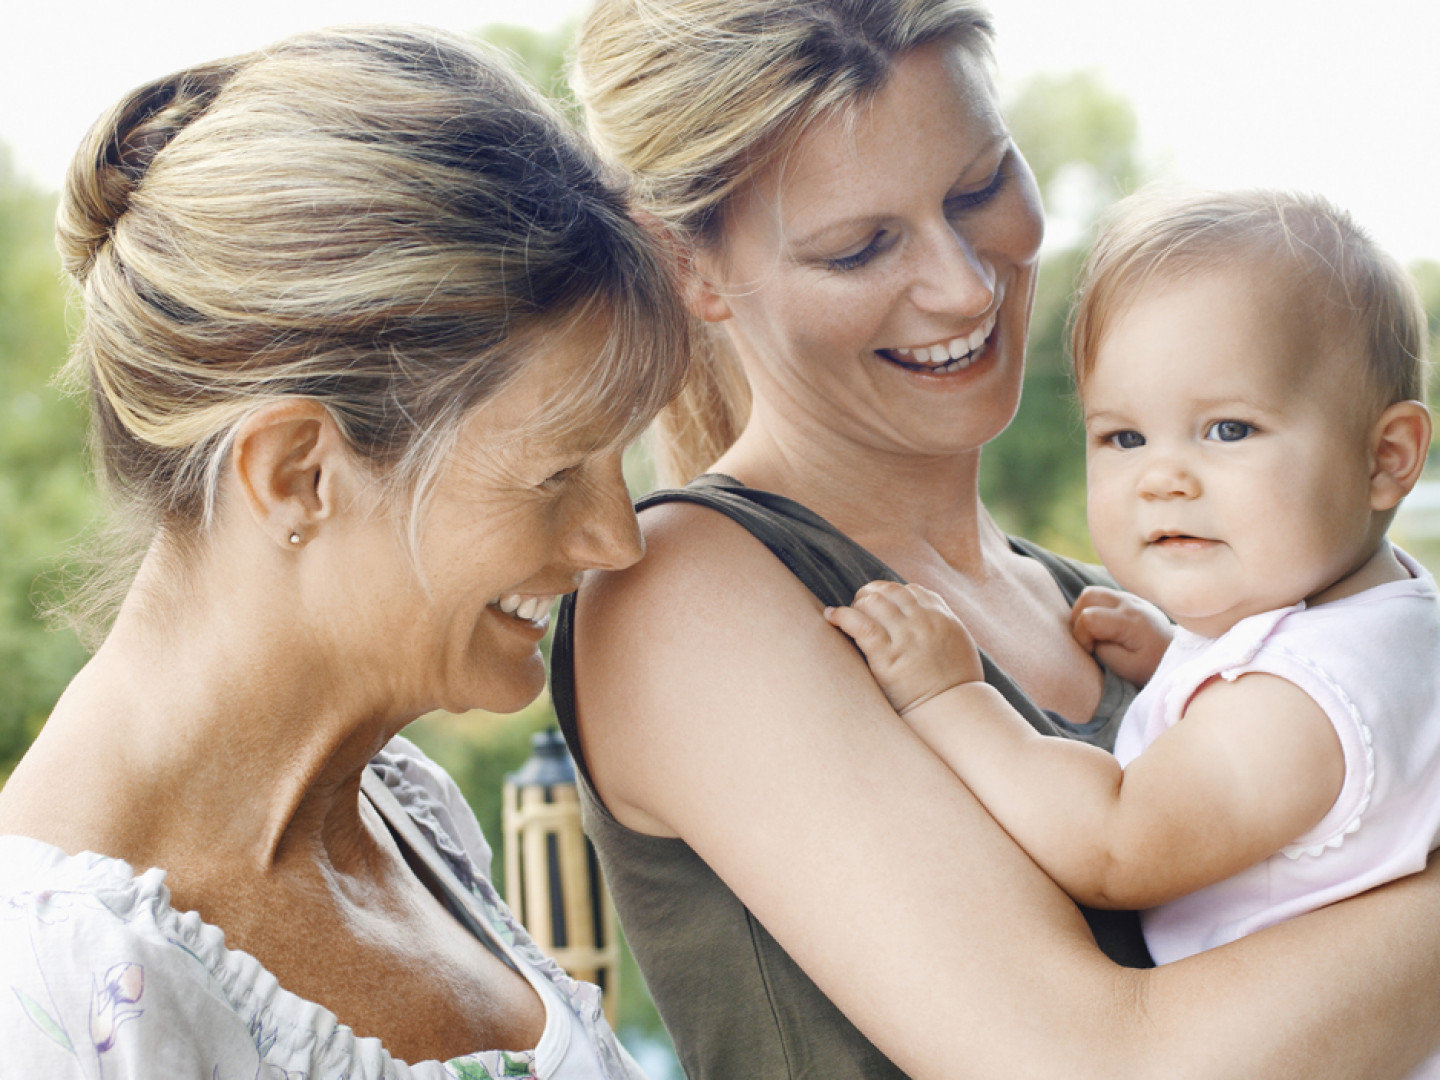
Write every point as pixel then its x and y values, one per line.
pixel 540 56
pixel 1426 273
pixel 45 498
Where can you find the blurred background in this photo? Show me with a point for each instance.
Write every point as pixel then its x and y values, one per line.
pixel 1101 96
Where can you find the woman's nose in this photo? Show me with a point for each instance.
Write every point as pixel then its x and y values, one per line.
pixel 605 534
pixel 952 278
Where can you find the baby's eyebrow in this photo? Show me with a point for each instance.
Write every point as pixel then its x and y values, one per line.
pixel 1105 416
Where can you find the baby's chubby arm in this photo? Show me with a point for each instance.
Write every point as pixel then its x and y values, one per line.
pixel 1252 766
pixel 1126 634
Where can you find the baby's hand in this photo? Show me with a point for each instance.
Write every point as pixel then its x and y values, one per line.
pixel 1128 635
pixel 915 645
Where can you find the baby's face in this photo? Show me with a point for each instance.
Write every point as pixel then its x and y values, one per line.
pixel 1228 453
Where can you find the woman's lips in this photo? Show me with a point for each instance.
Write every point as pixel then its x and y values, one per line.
pixel 945 357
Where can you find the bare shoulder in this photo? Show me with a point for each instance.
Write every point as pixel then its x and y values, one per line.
pixel 689 660
pixel 691 552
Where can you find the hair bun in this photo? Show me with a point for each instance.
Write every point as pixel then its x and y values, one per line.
pixel 117 152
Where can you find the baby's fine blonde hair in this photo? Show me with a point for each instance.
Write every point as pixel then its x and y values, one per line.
pixel 695 98
pixel 387 221
pixel 1160 235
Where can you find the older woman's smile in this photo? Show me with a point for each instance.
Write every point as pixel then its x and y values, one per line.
pixel 527 608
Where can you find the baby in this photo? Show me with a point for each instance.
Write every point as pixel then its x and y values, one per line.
pixel 1251 370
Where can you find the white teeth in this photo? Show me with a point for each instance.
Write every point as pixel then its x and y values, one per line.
pixel 956 349
pixel 529 608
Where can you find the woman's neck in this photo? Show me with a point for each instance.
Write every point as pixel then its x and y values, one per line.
pixel 901 506
pixel 214 731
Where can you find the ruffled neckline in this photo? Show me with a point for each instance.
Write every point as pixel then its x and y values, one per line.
pixel 276 1017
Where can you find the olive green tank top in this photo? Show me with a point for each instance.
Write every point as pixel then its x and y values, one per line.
pixel 734 1002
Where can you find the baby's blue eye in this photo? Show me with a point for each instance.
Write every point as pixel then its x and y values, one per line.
pixel 1229 430
pixel 1126 440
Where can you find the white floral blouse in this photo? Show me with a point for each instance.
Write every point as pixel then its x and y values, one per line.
pixel 101 979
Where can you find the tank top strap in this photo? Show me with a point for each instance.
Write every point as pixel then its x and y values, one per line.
pixel 828 563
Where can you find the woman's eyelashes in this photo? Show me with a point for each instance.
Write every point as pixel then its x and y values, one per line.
pixel 560 477
pixel 956 205
pixel 962 202
pixel 880 242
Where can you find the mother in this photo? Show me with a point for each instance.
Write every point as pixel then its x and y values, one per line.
pixel 365 336
pixel 808 890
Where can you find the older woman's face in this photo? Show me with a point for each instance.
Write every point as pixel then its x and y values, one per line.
pixel 877 281
pixel 515 519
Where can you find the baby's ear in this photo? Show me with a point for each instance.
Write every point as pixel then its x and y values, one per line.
pixel 1399 442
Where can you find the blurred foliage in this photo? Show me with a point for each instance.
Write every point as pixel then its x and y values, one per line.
pixel 1073 121
pixel 45 499
pixel 540 56
pixel 1426 273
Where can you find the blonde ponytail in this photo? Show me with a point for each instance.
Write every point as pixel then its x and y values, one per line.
pixel 706 417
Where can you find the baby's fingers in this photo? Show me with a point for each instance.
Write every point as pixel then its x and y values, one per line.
pixel 890 600
pixel 1098 625
pixel 861 628
pixel 1092 599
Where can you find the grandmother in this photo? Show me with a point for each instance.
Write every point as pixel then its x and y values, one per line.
pixel 365 335
pixel 808 890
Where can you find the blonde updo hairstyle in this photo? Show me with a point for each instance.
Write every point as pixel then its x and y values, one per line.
pixel 695 98
pixel 385 221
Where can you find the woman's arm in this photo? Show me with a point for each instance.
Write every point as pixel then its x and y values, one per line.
pixel 716 704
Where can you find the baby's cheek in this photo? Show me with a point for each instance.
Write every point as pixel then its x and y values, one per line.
pixel 1109 528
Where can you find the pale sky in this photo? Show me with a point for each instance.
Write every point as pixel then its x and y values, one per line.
pixel 1321 95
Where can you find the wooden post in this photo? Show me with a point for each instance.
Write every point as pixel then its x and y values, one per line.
pixel 552 878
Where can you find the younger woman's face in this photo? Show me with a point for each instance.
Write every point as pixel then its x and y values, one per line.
pixel 877 280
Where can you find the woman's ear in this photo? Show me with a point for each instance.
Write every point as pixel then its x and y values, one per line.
pixel 691 266
pixel 702 297
pixel 291 463
pixel 1399 443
